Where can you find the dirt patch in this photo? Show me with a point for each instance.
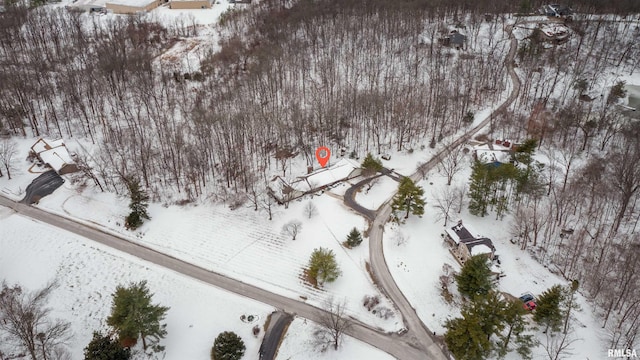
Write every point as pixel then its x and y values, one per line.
pixel 307 279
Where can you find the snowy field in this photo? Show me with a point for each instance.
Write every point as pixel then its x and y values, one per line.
pixel 34 254
pixel 417 265
pixel 298 345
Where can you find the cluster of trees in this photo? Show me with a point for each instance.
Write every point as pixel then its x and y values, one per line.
pixel 492 325
pixel 582 215
pixel 276 89
pixel 27 329
pixel 496 186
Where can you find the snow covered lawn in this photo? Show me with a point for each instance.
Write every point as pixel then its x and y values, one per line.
pixel 298 345
pixel 383 188
pixel 34 254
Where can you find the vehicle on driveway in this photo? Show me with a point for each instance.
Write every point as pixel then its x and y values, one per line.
pixel 529 302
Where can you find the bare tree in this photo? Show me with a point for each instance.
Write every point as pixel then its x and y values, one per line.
pixel 450 163
pixel 24 318
pixel 7 152
pixel 332 325
pixel 445 204
pixel 558 345
pixel 292 228
pixel 310 210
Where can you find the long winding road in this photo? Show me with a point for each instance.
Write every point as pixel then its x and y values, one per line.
pixel 417 344
pixel 418 334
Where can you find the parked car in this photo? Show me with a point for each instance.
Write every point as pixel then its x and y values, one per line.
pixel 529 302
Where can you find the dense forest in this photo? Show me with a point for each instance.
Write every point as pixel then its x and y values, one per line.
pixel 365 75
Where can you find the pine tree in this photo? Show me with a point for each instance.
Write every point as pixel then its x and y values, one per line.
pixel 323 266
pixel 465 338
pixel 516 325
pixel 479 189
pixel 475 277
pixel 409 198
pixel 103 347
pixel 138 205
pixel 133 315
pixel 227 346
pixel 354 238
pixel 548 310
pixel 371 164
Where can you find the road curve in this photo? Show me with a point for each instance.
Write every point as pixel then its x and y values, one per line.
pixel 390 343
pixel 418 334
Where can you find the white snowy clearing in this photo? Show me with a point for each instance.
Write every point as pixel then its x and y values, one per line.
pixel 298 345
pixel 88 273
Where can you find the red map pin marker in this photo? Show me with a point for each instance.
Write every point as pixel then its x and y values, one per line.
pixel 323 154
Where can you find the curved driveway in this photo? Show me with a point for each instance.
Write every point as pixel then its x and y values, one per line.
pixel 418 334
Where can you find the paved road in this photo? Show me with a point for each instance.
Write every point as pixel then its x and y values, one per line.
pixel 390 343
pixel 418 334
pixel 42 186
pixel 279 321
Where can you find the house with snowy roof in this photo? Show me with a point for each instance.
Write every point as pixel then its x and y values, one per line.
pixel 466 243
pixel 54 154
pixel 496 152
pixel 284 191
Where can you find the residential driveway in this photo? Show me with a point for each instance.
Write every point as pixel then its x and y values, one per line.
pixel 42 186
pixel 280 320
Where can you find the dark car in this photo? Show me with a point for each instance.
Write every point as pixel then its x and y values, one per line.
pixel 529 301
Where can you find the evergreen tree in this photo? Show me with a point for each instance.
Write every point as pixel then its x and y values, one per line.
pixel 371 164
pixel 354 238
pixel 138 205
pixel 475 277
pixel 479 189
pixel 409 198
pixel 548 310
pixel 102 347
pixel 465 338
pixel 323 266
pixel 227 346
pixel 528 178
pixel 516 325
pixel 133 315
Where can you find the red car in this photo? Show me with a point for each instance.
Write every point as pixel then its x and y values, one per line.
pixel 530 305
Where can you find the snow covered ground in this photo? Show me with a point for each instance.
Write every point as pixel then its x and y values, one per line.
pixel 298 345
pixel 34 254
pixel 383 188
pixel 417 265
pixel 242 243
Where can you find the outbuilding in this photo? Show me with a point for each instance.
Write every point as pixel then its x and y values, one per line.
pixel 190 4
pixel 131 6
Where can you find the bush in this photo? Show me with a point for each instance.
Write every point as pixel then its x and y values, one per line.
pixel 354 238
pixel 227 346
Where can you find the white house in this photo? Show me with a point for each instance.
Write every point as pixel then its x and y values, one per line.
pixel 55 154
